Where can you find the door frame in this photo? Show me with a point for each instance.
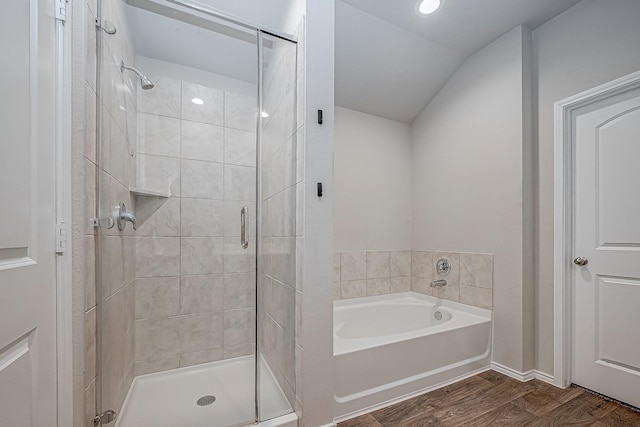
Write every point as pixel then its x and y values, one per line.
pixel 63 206
pixel 565 113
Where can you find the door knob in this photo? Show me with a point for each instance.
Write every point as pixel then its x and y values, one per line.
pixel 581 261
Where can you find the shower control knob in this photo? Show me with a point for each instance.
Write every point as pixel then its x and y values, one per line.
pixel 581 261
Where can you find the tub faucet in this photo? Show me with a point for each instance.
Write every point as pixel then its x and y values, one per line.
pixel 438 283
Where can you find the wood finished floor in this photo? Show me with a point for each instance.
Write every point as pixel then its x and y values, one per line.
pixel 492 399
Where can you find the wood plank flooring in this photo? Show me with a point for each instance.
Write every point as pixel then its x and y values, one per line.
pixel 493 399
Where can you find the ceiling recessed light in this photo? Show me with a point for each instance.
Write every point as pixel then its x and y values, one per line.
pixel 264 114
pixel 425 7
pixel 197 101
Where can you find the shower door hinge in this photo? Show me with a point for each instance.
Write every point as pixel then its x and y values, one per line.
pixel 61 10
pixel 61 237
pixel 105 418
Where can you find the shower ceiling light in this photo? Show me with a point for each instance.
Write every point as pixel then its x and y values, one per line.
pixel 197 101
pixel 264 114
pixel 426 7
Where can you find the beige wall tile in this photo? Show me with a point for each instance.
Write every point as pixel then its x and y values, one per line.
pixel 353 289
pixel 201 294
pixel 353 266
pixel 421 285
pixel 159 173
pixel 239 183
pixel 476 270
pixel 200 332
pixel 240 111
pixel 451 291
pixel 157 297
pixel 89 346
pixel 377 264
pixel 237 259
pixel 200 357
pixel 400 263
pixel 156 365
pixel 422 264
pixel 201 255
pixel 212 109
pixel 158 135
pixel 239 147
pixel 239 290
pixel 478 297
pixel 201 218
pixel 157 256
pixel 157 338
pixel 400 284
pixel 232 351
pixel 202 180
pixel 378 286
pixel 163 100
pixel 201 141
pixel 158 217
pixel 239 326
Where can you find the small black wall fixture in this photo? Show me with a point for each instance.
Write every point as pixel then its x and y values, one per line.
pixel 319 117
pixel 319 189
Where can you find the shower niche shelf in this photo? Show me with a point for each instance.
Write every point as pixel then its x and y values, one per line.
pixel 138 192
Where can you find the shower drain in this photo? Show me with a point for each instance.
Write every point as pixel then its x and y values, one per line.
pixel 206 400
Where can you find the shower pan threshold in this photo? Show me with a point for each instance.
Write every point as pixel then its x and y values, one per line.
pixel 169 399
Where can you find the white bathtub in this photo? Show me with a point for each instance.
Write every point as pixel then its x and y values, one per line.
pixel 391 347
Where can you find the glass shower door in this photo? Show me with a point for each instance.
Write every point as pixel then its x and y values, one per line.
pixel 177 320
pixel 276 383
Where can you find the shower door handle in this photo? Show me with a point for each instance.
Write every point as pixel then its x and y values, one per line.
pixel 244 241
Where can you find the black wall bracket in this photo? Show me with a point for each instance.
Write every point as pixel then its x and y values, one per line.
pixel 320 120
pixel 319 189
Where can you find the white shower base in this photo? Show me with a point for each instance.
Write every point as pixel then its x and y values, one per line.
pixel 168 399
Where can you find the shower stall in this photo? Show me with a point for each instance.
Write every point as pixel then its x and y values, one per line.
pixel 195 217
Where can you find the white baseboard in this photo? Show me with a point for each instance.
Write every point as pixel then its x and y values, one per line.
pixel 523 376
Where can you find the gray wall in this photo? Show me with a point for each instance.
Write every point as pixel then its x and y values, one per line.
pixel 373 183
pixel 470 160
pixel 592 43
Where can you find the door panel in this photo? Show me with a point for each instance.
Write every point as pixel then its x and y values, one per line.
pixel 27 190
pixel 606 344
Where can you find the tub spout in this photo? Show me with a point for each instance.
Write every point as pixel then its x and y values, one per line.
pixel 438 283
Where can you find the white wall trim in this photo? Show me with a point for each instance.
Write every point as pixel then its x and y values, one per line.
pixel 517 375
pixel 532 374
pixel 64 268
pixel 564 119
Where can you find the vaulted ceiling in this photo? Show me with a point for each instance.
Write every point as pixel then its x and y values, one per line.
pixel 391 62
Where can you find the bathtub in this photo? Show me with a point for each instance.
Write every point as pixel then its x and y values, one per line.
pixel 391 347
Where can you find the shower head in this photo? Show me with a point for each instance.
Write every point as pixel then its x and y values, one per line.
pixel 145 82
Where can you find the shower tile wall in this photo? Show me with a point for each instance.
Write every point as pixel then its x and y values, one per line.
pixel 195 285
pixel 282 184
pixel 117 171
pixel 367 273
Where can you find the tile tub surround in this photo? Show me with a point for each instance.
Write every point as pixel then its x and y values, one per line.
pixel 367 273
pixel 195 285
pixel 469 282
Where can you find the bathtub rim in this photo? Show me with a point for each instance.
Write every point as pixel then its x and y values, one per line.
pixel 463 315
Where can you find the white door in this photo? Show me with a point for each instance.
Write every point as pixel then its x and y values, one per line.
pixel 606 291
pixel 27 191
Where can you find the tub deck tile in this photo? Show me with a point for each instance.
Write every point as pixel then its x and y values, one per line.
pixel 493 399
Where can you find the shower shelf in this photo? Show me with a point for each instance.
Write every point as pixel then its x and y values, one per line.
pixel 148 193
